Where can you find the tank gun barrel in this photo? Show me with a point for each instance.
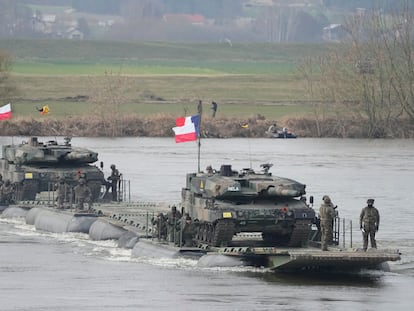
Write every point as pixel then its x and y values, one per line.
pixel 88 157
pixel 284 192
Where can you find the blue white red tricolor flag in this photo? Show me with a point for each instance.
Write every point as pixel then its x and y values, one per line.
pixel 5 112
pixel 186 129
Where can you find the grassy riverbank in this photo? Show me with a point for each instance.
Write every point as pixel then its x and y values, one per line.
pixel 159 77
pixel 96 88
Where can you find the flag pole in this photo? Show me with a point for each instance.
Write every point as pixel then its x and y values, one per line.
pixel 200 112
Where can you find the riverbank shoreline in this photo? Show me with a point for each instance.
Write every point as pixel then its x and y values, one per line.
pixel 232 127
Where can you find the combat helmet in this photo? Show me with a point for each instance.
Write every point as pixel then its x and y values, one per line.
pixel 326 199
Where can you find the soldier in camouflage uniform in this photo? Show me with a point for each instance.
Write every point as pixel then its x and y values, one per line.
pixel 188 230
pixel 83 195
pixel 62 192
pixel 114 181
pixel 173 221
pixel 160 222
pixel 6 192
pixel 326 214
pixel 369 223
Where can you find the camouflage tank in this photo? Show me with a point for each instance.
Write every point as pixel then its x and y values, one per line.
pixel 228 202
pixel 35 166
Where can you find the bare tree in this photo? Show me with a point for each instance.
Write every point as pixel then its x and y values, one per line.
pixel 7 87
pixel 371 74
pixel 108 97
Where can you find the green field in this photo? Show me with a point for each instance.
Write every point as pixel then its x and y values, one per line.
pixel 159 78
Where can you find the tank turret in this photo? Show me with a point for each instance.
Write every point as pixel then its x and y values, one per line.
pixel 227 202
pixel 35 166
pixel 35 152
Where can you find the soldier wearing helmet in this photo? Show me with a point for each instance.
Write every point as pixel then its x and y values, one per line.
pixel 114 180
pixel 209 169
pixel 160 222
pixel 6 192
pixel 62 192
pixel 188 230
pixel 83 195
pixel 369 223
pixel 173 221
pixel 326 214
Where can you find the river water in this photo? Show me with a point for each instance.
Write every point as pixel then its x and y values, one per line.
pixel 44 271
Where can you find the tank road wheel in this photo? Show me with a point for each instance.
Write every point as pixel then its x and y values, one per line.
pixel 223 232
pixel 219 234
pixel 300 234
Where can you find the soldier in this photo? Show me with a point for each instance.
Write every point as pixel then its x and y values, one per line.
pixel 6 192
pixel 161 224
pixel 114 180
pixel 173 219
pixel 83 195
pixel 326 213
pixel 63 193
pixel 188 231
pixel 209 170
pixel 369 223
pixel 214 107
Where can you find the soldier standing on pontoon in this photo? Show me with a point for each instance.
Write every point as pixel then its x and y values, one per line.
pixel 326 213
pixel 83 195
pixel 369 223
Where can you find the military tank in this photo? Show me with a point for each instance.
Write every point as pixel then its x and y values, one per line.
pixel 36 166
pixel 227 202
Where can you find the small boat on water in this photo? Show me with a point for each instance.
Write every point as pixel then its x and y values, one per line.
pixel 274 132
pixel 280 134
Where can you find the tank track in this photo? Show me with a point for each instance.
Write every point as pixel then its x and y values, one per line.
pixel 300 233
pixel 219 234
pixel 223 232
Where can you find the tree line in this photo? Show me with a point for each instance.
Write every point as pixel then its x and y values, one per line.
pixel 370 75
pixel 385 5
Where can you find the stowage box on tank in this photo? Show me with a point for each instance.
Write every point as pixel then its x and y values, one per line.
pixel 35 166
pixel 228 202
